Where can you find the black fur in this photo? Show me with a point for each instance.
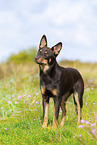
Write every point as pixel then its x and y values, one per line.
pixel 56 81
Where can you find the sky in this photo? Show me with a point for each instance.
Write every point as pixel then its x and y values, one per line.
pixel 73 22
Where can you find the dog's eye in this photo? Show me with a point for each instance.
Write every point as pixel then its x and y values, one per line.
pixel 40 50
pixel 46 53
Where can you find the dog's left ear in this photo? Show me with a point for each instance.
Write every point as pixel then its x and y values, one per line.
pixel 43 41
pixel 57 48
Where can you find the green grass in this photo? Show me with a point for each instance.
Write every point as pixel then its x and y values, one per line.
pixel 21 108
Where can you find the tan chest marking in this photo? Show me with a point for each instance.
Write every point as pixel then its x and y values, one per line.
pixel 54 92
pixel 43 89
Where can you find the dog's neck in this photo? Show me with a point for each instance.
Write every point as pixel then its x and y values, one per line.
pixel 47 68
pixel 44 68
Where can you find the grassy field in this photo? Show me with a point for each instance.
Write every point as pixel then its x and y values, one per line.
pixel 21 108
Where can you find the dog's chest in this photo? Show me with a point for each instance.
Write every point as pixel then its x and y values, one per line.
pixel 48 85
pixel 49 92
pixel 47 80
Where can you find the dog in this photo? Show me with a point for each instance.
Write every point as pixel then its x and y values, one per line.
pixel 57 82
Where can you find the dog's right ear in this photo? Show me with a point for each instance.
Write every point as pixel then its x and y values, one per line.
pixel 43 41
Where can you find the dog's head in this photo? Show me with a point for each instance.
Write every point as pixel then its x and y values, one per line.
pixel 46 55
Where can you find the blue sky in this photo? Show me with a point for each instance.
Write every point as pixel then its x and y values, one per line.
pixel 74 22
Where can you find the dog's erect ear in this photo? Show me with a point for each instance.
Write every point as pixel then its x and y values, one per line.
pixel 43 41
pixel 57 48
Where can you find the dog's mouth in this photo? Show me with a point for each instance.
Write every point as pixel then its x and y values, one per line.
pixel 40 60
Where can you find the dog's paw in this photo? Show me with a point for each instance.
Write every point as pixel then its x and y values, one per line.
pixel 62 123
pixel 44 125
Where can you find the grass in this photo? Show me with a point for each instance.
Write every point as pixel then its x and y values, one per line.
pixel 21 108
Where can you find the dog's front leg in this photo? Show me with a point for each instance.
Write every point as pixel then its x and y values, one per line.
pixel 57 102
pixel 45 110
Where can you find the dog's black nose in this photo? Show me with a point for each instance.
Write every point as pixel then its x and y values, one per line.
pixel 36 58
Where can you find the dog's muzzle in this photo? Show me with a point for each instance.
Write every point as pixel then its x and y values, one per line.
pixel 38 59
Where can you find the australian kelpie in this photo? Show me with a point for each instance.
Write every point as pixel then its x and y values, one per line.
pixel 57 82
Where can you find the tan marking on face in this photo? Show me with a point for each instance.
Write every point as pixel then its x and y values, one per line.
pixel 44 61
pixel 78 105
pixel 43 89
pixel 40 60
pixel 54 92
pixel 45 120
pixel 45 65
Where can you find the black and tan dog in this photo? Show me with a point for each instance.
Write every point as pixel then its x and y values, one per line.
pixel 57 82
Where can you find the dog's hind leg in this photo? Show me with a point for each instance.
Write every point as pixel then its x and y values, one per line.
pixel 63 112
pixel 63 104
pixel 75 104
pixel 78 105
